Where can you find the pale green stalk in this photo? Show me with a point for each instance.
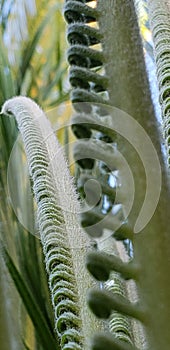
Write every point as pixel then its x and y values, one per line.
pixel 63 240
pixel 129 90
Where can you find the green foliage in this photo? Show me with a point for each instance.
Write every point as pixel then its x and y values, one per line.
pixel 116 76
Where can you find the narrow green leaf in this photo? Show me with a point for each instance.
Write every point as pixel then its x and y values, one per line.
pixel 26 347
pixel 31 46
pixel 7 86
pixel 45 336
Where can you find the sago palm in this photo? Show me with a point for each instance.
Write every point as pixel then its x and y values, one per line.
pixel 115 125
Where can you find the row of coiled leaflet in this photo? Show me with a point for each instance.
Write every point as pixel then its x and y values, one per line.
pixel 64 294
pixel 89 96
pixel 55 245
pixel 160 29
pixel 87 84
pixel 52 227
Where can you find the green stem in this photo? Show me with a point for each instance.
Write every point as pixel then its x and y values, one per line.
pixel 129 90
pixel 64 243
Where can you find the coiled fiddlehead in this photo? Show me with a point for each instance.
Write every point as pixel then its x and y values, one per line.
pixel 96 142
pixel 89 86
pixel 81 56
pixel 60 232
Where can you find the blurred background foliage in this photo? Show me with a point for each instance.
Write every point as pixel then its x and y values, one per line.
pixel 142 10
pixel 32 63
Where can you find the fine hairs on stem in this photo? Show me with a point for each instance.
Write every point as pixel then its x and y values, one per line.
pixel 64 243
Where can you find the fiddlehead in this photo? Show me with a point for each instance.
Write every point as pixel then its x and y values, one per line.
pixel 63 243
pixel 88 89
pixel 96 142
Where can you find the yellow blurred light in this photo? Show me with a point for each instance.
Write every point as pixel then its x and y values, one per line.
pixel 92 4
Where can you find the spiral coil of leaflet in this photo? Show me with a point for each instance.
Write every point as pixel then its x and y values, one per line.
pixel 86 82
pixel 89 97
pixel 64 294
